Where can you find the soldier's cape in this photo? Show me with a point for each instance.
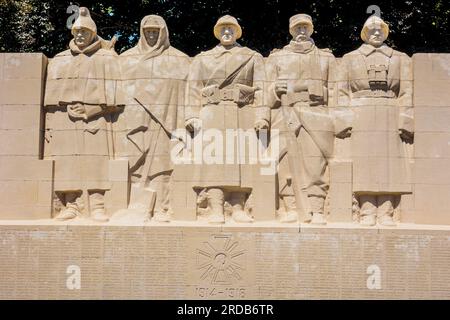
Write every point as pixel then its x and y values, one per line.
pixel 87 76
pixel 156 77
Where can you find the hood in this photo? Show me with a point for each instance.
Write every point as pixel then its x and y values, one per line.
pixel 163 39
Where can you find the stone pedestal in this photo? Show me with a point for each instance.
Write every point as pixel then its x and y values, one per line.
pixel 187 261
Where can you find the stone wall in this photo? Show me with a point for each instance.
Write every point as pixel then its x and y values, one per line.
pixel 25 181
pixel 432 138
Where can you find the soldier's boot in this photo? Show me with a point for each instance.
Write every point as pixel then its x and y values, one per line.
pixel 317 206
pixel 368 220
pixel 71 210
pixel 387 221
pixel 216 201
pixel 385 211
pixel 291 211
pixel 239 214
pixel 97 204
pixel 368 211
pixel 318 218
pixel 161 216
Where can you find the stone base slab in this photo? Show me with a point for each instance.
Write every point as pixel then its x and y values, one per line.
pixel 48 260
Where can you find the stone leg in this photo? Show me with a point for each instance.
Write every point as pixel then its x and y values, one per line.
pixel 216 200
pixel 317 204
pixel 97 205
pixel 71 210
pixel 368 210
pixel 385 211
pixel 288 205
pixel 317 183
pixel 161 184
pixel 290 213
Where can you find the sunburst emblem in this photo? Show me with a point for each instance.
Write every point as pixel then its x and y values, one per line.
pixel 220 260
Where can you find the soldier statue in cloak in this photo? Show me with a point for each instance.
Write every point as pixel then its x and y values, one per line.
pixel 225 94
pixel 154 77
pixel 81 95
pixel 300 95
pixel 375 83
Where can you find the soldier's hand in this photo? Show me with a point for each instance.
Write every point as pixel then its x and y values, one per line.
pixel 193 124
pixel 261 125
pixel 280 87
pixel 344 133
pixel 406 136
pixel 77 110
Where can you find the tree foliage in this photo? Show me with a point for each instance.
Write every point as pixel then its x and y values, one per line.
pixel 40 25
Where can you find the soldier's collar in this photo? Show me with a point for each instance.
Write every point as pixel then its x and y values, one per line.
pixel 220 49
pixel 92 48
pixel 301 47
pixel 367 49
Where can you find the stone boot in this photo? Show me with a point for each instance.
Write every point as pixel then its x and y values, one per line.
pixel 318 218
pixel 71 210
pixel 239 214
pixel 161 216
pixel 97 204
pixel 368 220
pixel 387 220
pixel 291 212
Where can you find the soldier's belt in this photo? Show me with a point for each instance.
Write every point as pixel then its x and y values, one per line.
pixel 292 98
pixel 374 94
pixel 228 95
pixel 240 94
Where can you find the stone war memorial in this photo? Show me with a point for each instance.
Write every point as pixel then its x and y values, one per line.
pixel 152 174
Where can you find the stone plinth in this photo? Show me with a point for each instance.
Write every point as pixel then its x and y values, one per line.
pixel 186 261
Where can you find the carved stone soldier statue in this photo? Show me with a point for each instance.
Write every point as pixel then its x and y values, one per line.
pixel 302 87
pixel 154 76
pixel 79 100
pixel 225 93
pixel 375 81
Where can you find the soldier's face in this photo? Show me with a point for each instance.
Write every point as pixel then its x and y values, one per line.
pixel 83 37
pixel 227 35
pixel 301 32
pixel 151 35
pixel 375 35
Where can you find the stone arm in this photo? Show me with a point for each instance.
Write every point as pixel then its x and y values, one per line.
pixel 262 111
pixel 273 101
pixel 193 95
pixel 405 100
pixel 343 91
pixel 340 99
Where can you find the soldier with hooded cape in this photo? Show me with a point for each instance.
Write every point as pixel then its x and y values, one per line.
pixel 154 78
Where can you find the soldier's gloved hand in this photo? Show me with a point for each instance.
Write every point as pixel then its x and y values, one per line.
pixel 406 136
pixel 77 110
pixel 261 125
pixel 280 87
pixel 193 124
pixel 346 133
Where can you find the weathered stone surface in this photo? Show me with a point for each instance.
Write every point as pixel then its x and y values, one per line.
pixel 179 262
